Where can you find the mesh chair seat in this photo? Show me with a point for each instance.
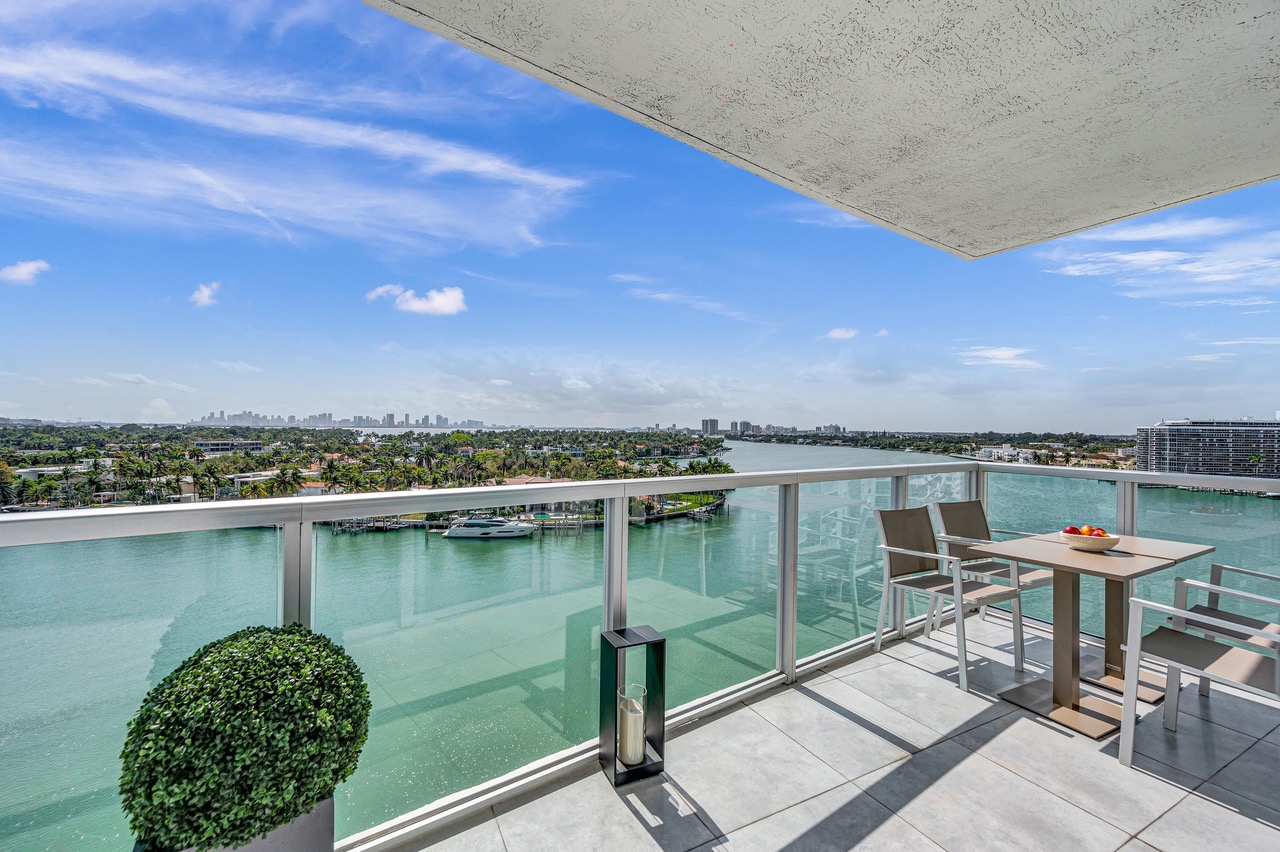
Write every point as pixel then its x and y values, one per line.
pixel 1214 658
pixel 1236 618
pixel 974 591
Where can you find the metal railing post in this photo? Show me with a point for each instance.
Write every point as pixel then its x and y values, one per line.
pixel 788 576
pixel 615 563
pixel 976 485
pixel 296 580
pixel 899 492
pixel 1126 508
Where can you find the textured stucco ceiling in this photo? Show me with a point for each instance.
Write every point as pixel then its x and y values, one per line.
pixel 975 126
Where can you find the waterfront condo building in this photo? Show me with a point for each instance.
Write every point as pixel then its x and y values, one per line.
pixel 1225 447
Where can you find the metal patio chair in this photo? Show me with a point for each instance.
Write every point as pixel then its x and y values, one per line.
pixel 1250 663
pixel 913 563
pixel 1212 608
pixel 964 522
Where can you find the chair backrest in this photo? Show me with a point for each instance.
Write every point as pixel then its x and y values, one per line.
pixel 910 529
pixel 966 519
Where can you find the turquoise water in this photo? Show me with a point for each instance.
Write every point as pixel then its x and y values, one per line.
pixel 481 656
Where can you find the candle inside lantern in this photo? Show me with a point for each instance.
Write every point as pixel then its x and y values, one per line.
pixel 631 724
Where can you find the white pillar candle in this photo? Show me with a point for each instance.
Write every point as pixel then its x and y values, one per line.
pixel 630 732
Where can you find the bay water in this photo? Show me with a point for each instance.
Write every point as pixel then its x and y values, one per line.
pixel 483 656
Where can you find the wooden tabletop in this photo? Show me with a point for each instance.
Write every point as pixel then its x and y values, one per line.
pixel 1116 564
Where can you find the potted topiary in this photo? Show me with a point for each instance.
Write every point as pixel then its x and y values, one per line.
pixel 246 739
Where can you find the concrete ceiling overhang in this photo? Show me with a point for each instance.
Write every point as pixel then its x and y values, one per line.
pixel 976 126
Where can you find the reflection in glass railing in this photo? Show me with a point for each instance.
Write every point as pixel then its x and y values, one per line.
pixel 1244 530
pixel 702 571
pixel 481 655
pixel 923 489
pixel 839 574
pixel 86 628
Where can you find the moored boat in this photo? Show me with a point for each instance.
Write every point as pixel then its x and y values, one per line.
pixel 488 526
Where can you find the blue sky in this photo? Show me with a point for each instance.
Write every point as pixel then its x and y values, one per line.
pixel 296 207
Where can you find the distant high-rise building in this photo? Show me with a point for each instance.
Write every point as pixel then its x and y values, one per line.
pixel 711 426
pixel 1223 447
pixel 389 419
pixel 733 427
pixel 744 426
pixel 441 421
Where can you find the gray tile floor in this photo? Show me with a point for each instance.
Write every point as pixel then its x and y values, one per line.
pixel 885 752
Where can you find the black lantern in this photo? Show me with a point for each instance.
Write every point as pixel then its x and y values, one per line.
pixel 633 733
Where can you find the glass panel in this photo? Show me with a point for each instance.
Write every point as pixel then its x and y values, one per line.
pixel 839 567
pixel 1245 530
pixel 1039 504
pixel 86 628
pixel 923 489
pixel 481 655
pixel 708 582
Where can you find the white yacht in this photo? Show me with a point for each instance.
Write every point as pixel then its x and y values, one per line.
pixel 488 526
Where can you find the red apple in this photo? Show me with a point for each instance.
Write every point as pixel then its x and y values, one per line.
pixel 1099 533
pixel 1071 530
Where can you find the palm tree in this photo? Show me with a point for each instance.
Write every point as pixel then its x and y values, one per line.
pixel 287 482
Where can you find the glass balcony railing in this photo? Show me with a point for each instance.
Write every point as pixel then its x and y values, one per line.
pixel 86 628
pixel 482 657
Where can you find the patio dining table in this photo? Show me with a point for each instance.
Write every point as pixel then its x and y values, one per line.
pixel 1060 698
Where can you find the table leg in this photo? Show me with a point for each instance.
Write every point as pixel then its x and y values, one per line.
pixel 1110 673
pixel 1066 639
pixel 1060 699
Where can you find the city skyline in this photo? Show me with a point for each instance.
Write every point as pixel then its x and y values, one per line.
pixel 195 207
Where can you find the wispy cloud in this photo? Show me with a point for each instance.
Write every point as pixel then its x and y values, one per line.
pixel 813 213
pixel 203 296
pixel 443 302
pixel 689 300
pixel 841 334
pixel 1212 358
pixel 630 278
pixel 1248 341
pixel 140 379
pixel 23 272
pixel 1173 228
pixel 1246 302
pixel 21 377
pixel 237 367
pixel 1217 269
pixel 332 163
pixel 998 356
pixel 884 332
pixel 92 380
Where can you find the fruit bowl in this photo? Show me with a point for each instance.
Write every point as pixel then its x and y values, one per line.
pixel 1090 543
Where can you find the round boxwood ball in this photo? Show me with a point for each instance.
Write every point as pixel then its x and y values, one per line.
pixel 248 734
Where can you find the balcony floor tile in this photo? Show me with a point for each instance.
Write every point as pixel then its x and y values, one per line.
pixel 1254 775
pixel 739 768
pixel 1231 822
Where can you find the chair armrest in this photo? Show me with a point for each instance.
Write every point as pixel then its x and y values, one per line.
pixel 1137 605
pixel 937 556
pixel 960 539
pixel 1015 532
pixel 1216 570
pixel 1224 590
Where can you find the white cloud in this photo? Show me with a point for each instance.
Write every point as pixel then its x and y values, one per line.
pixel 841 333
pixel 630 278
pixel 697 303
pixel 1173 228
pixel 1248 341
pixel 237 367
pixel 1214 358
pixel 998 356
pixel 499 383
pixel 1246 302
pixel 443 302
pixel 203 296
pixel 24 271
pixel 1246 265
pixel 884 332
pixel 813 213
pixel 21 377
pixel 575 383
pixel 147 381
pixel 157 411
pixel 395 185
pixel 92 380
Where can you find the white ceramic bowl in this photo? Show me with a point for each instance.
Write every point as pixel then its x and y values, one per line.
pixel 1091 543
